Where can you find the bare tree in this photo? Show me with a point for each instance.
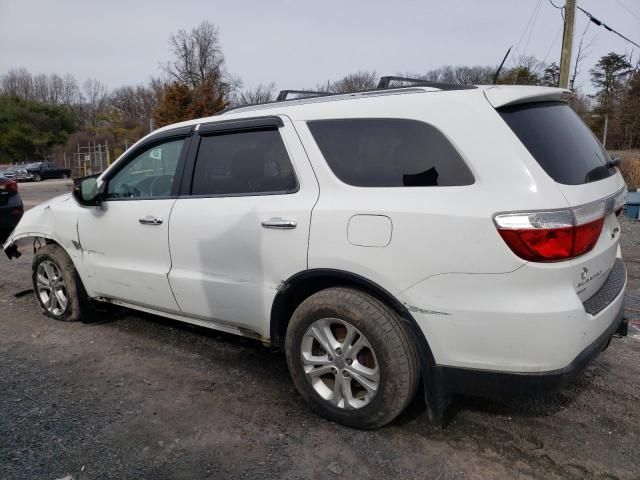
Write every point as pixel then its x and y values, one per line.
pixel 40 88
pixel 253 96
pixel 19 83
pixel 354 82
pixel 70 94
pixel 96 99
pixel 527 70
pixel 582 52
pixel 476 75
pixel 198 58
pixel 135 104
pixel 50 89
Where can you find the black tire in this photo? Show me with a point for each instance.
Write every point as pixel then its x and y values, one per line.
pixel 79 305
pixel 397 359
pixel 37 178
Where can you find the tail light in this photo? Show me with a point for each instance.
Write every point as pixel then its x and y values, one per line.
pixel 9 186
pixel 551 236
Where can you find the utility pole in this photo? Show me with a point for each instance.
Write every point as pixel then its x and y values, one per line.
pixel 604 134
pixel 567 42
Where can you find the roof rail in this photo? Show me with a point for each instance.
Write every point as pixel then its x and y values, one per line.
pixel 384 84
pixel 282 96
pixel 386 81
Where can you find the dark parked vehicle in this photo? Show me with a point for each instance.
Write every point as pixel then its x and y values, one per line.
pixel 16 172
pixel 11 208
pixel 44 170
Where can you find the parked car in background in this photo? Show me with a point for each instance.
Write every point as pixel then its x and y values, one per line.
pixel 44 170
pixel 11 208
pixel 17 172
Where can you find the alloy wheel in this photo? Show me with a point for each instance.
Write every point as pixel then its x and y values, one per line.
pixel 52 289
pixel 340 363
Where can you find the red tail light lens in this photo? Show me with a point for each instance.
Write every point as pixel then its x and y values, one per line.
pixel 552 236
pixel 9 186
pixel 540 245
pixel 586 236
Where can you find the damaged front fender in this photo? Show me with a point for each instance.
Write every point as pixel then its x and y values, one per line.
pixel 54 220
pixel 12 251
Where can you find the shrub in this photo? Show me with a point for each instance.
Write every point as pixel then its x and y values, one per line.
pixel 630 167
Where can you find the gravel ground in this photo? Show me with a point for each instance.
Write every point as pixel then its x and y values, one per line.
pixel 139 397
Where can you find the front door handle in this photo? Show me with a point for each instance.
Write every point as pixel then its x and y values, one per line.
pixel 280 223
pixel 150 220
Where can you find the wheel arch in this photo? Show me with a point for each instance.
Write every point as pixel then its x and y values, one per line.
pixel 12 251
pixel 303 284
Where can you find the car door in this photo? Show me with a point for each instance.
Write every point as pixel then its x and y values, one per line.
pixel 242 225
pixel 47 171
pixel 125 240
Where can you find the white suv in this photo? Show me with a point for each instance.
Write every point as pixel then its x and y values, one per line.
pixel 460 238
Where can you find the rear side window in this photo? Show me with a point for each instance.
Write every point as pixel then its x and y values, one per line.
pixel 243 163
pixel 559 141
pixel 377 152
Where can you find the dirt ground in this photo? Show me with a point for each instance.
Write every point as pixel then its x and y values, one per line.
pixel 139 397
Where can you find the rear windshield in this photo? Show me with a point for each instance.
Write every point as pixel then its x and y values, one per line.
pixel 560 141
pixel 389 152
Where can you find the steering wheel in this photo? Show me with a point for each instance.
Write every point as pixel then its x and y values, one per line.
pixel 161 186
pixel 125 190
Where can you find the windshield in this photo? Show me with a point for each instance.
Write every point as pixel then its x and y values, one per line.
pixel 559 141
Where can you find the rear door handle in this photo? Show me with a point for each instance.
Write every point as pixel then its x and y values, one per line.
pixel 150 220
pixel 280 223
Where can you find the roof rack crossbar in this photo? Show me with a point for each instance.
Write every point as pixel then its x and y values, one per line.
pixel 386 81
pixel 282 96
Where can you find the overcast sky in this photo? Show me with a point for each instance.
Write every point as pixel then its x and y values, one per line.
pixel 296 43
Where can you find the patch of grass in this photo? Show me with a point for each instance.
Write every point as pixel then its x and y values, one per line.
pixel 630 166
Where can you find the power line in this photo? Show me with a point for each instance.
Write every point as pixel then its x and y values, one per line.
pixel 553 43
pixel 526 28
pixel 628 9
pixel 600 23
pixel 533 24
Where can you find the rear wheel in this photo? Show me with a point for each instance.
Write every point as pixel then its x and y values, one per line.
pixel 351 359
pixel 58 287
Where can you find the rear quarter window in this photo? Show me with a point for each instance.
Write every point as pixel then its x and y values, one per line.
pixel 377 152
pixel 559 141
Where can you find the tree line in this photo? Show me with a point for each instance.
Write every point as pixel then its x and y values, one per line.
pixel 49 115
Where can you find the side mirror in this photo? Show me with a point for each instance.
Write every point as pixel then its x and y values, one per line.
pixel 86 192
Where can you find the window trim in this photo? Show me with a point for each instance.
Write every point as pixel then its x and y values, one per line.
pixel 240 125
pixel 237 127
pixel 463 157
pixel 185 133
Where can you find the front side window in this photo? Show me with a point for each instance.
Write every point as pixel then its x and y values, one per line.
pixel 243 163
pixel 389 152
pixel 149 175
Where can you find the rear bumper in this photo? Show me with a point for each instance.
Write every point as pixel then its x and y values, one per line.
pixel 10 214
pixel 529 321
pixel 486 383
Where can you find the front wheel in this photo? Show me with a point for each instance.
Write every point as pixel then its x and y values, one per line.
pixel 351 359
pixel 37 177
pixel 58 287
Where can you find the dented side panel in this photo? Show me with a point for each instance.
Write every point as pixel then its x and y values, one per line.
pixel 226 266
